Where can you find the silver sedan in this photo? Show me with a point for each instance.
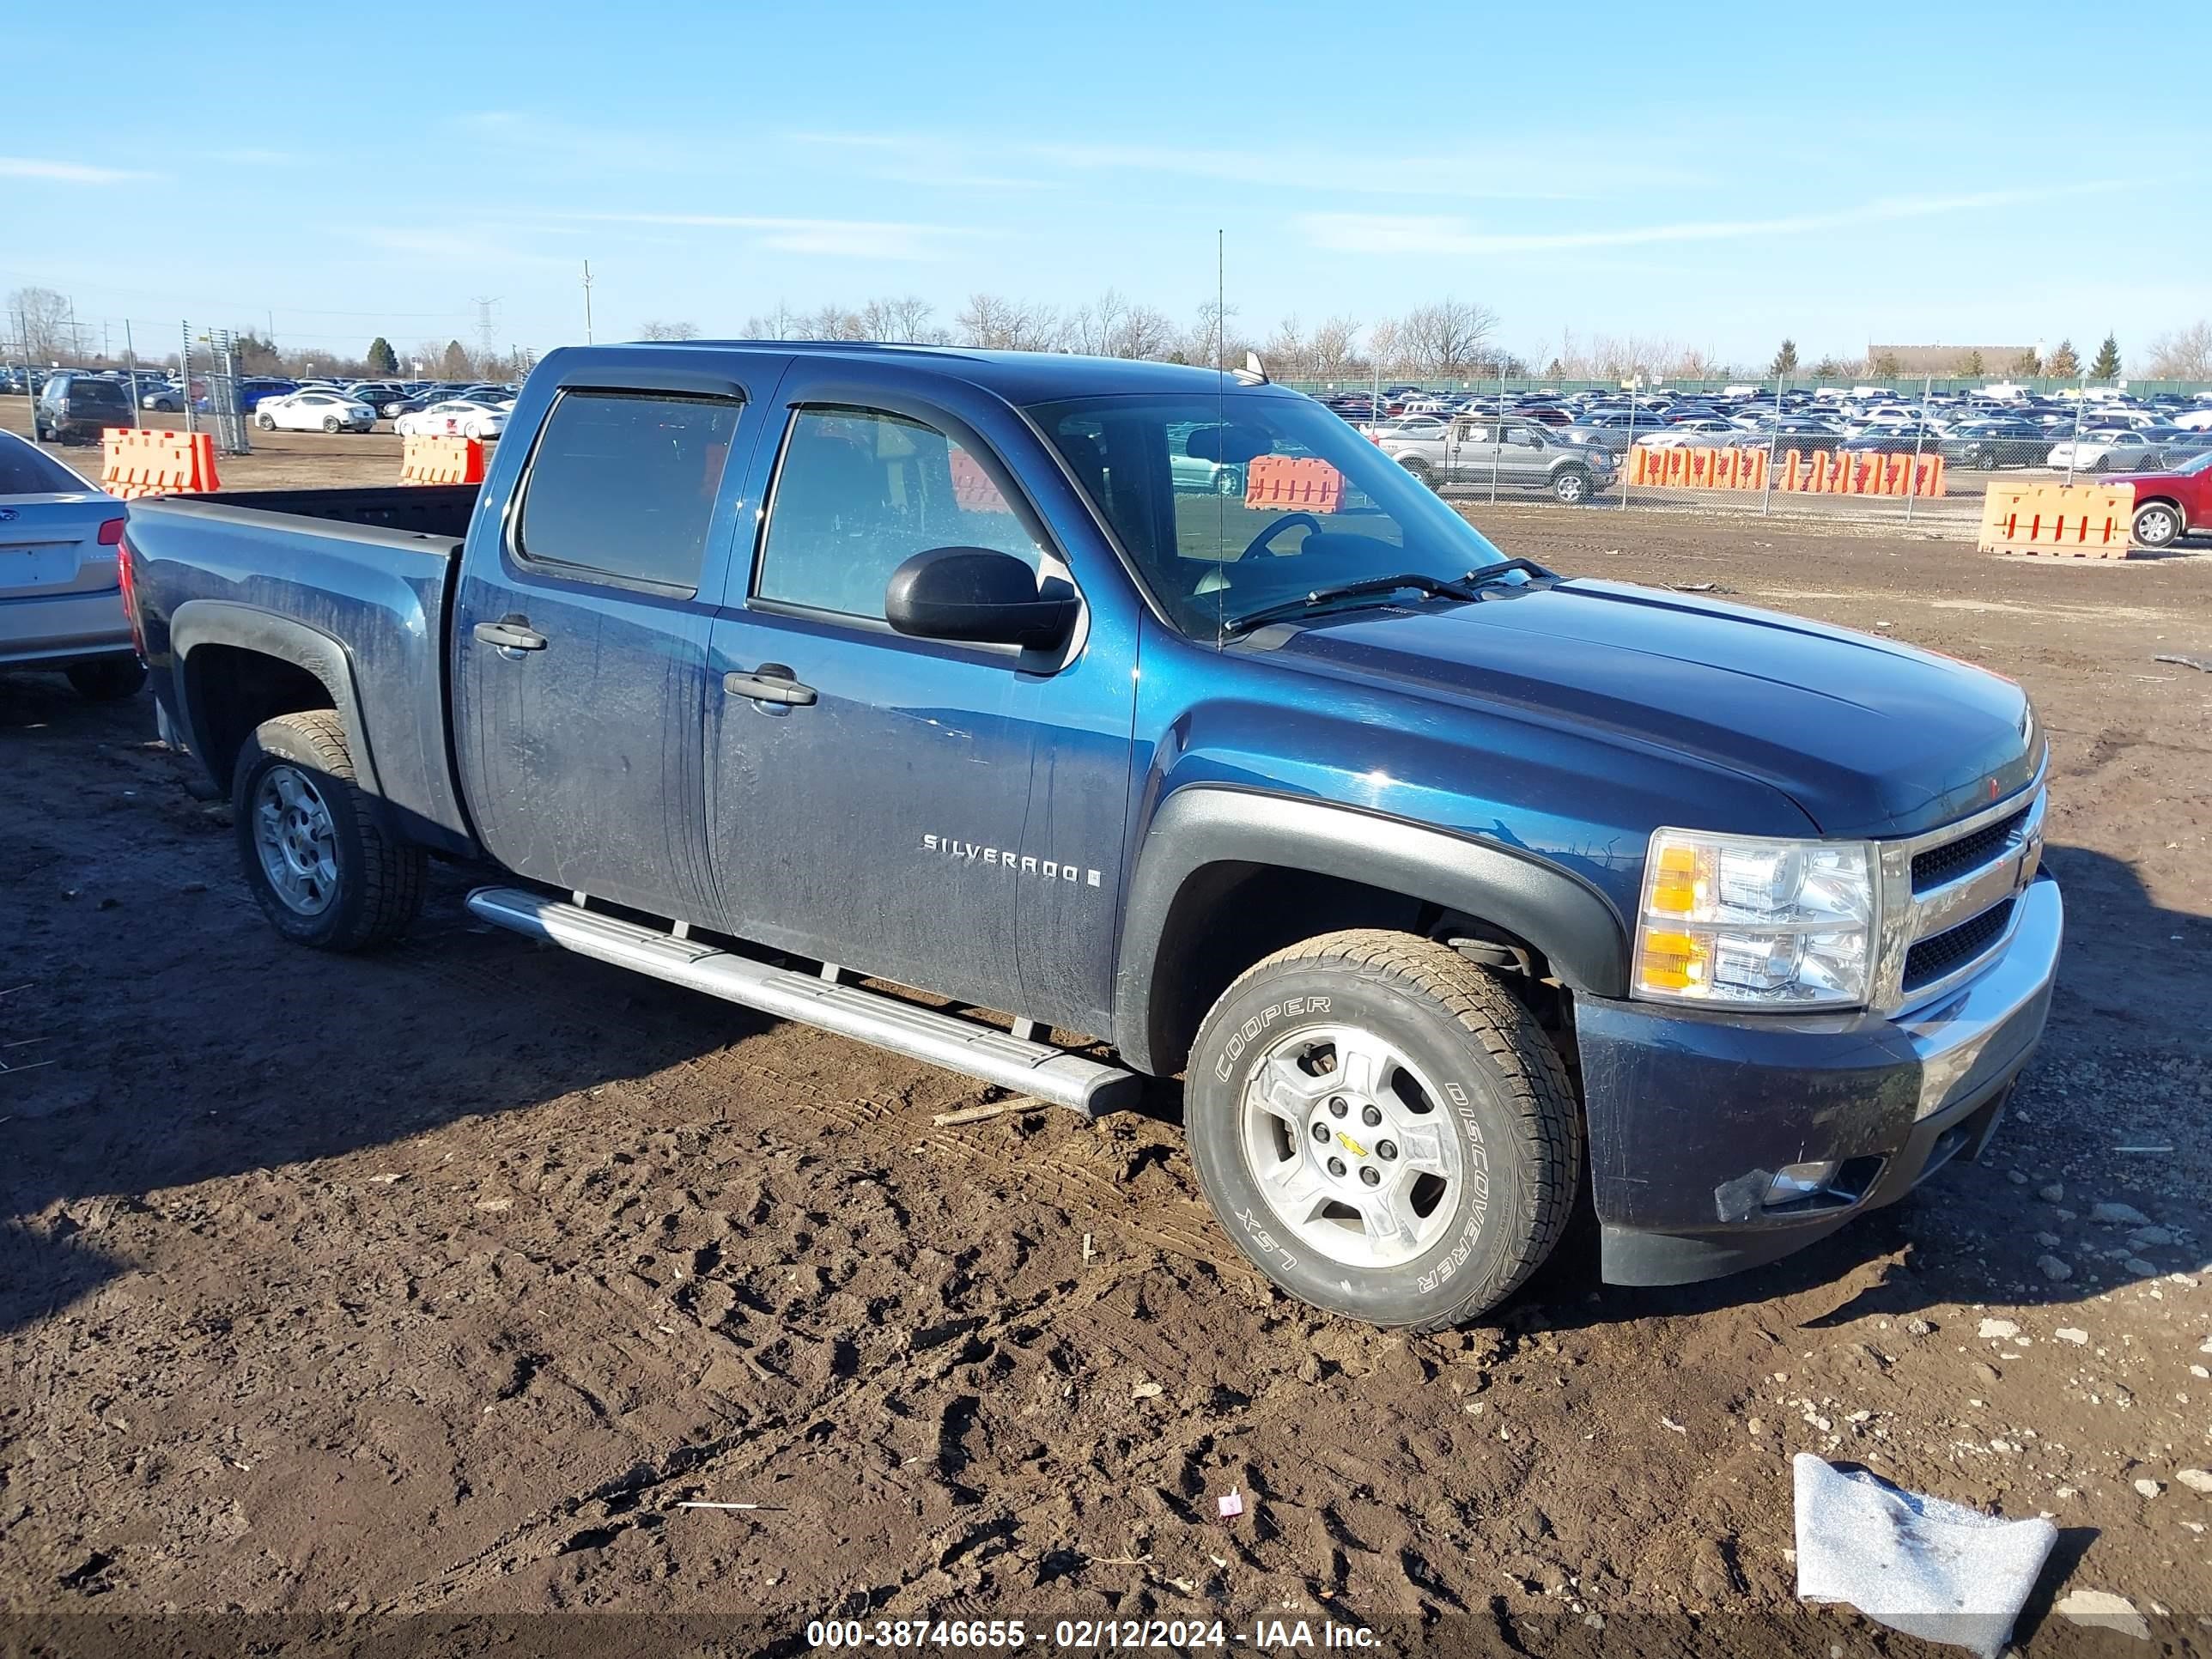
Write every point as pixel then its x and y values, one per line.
pixel 61 601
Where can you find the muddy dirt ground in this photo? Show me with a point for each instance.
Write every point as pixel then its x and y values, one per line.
pixel 409 1295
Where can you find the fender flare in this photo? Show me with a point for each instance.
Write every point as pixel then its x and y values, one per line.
pixel 1571 921
pixel 219 622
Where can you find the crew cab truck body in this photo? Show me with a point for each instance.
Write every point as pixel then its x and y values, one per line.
pixel 1448 883
pixel 1513 451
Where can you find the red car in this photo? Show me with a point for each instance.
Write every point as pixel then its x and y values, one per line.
pixel 2169 505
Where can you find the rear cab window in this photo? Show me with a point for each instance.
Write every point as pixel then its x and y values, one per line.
pixel 622 487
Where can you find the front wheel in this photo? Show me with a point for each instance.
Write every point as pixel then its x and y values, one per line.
pixel 2158 525
pixel 325 871
pixel 1383 1129
pixel 1572 486
pixel 266 422
pixel 1418 471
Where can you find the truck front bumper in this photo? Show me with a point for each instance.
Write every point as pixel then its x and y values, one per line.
pixel 1692 1115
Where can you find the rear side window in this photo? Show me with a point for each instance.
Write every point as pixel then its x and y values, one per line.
pixel 624 484
pixel 24 472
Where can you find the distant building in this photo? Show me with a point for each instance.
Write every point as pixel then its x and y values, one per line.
pixel 1947 359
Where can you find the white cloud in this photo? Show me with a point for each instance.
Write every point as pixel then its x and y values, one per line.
pixel 1403 234
pixel 850 239
pixel 64 173
pixel 461 249
pixel 1506 174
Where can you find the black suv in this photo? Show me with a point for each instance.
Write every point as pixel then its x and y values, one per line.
pixel 75 408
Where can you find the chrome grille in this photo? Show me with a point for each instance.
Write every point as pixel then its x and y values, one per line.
pixel 1949 898
pixel 1938 954
pixel 1970 852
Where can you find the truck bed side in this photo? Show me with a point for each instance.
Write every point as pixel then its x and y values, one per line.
pixel 261 603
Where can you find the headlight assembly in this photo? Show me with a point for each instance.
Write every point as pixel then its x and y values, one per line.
pixel 1748 921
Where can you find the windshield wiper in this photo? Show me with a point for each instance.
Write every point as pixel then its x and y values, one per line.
pixel 1491 573
pixel 1432 587
pixel 1372 586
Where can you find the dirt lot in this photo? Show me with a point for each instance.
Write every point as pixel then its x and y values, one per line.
pixel 409 1295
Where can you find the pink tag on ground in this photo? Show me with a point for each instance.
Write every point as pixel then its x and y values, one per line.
pixel 1233 1504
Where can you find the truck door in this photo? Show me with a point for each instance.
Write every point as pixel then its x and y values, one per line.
pixel 939 815
pixel 580 643
pixel 1474 449
pixel 1522 456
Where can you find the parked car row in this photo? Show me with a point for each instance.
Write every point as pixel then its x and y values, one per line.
pixel 75 406
pixel 2096 434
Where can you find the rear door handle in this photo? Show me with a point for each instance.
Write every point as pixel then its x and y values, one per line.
pixel 771 682
pixel 510 633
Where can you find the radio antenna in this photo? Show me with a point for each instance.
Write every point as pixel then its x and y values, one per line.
pixel 1221 435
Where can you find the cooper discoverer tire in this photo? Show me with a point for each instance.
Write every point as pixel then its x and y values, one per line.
pixel 1383 1129
pixel 318 861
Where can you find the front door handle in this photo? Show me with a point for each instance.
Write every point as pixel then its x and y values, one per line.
pixel 771 682
pixel 510 633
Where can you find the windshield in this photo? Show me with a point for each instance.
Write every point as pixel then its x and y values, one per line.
pixel 1281 498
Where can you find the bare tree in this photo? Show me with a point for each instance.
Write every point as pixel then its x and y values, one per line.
pixel 1335 345
pixel 1383 344
pixel 1446 337
pixel 1288 351
pixel 2184 355
pixel 908 319
pixel 669 331
pixel 993 323
pixel 1214 340
pixel 41 320
pixel 781 324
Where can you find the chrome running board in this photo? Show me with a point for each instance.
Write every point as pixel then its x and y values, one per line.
pixel 958 1045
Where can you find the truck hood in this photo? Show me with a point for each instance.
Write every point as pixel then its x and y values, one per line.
pixel 1868 737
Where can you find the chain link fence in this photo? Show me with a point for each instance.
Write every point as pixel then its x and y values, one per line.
pixel 1924 451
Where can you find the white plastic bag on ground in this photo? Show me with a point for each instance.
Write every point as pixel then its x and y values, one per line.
pixel 1929 1568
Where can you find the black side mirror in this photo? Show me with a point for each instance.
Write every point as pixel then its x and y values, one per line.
pixel 974 594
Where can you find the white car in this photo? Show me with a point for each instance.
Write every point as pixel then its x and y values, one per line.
pixel 313 411
pixel 2109 449
pixel 1699 432
pixel 456 417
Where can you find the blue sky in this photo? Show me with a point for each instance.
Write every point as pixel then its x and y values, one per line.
pixel 1961 172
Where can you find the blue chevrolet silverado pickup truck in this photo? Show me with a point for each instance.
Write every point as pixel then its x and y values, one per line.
pixel 814 677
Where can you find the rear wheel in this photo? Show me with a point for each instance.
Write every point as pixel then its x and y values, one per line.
pixel 322 868
pixel 107 679
pixel 2158 524
pixel 332 425
pixel 1383 1129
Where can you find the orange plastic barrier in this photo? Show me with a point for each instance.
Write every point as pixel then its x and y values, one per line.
pixel 135 462
pixel 971 486
pixel 1288 481
pixel 1826 472
pixel 1699 468
pixel 2077 521
pixel 441 461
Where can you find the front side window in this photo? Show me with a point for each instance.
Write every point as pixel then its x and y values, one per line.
pixel 1286 499
pixel 624 484
pixel 858 493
